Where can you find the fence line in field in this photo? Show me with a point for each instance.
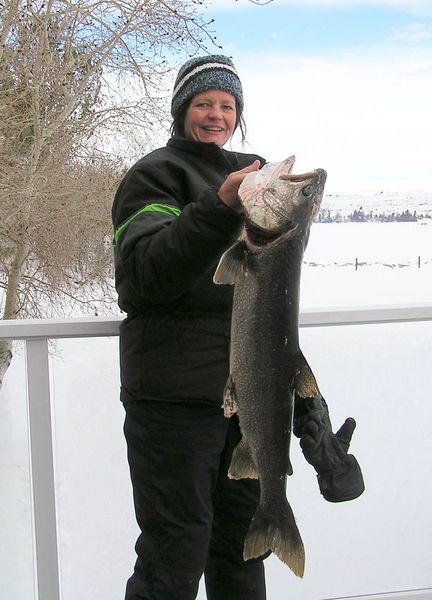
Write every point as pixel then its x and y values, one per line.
pixel 358 263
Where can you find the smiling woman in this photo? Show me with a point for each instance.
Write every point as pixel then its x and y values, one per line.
pixel 211 117
pixel 175 213
pixel 201 75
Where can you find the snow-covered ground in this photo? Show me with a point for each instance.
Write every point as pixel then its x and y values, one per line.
pixel 380 374
pixel 379 201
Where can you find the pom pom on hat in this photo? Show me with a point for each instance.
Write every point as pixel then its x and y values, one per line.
pixel 214 72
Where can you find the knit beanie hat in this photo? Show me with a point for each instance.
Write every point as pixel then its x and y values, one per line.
pixel 202 73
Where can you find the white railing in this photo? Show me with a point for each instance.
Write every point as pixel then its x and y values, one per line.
pixel 423 594
pixel 36 334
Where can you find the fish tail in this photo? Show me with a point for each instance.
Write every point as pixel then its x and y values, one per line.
pixel 278 533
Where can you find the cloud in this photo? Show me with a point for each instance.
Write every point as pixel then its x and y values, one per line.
pixel 414 32
pixel 363 117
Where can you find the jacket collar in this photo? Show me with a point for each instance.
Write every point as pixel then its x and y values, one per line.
pixel 207 150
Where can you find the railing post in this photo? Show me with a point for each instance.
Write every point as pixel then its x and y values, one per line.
pixel 42 470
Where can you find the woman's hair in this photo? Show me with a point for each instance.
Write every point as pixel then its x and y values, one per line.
pixel 177 127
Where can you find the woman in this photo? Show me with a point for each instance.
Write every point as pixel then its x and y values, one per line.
pixel 174 214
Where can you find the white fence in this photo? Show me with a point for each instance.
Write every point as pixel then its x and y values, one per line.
pixel 36 334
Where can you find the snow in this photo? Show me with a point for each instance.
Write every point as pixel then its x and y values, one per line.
pixel 388 257
pixel 380 374
pixel 384 200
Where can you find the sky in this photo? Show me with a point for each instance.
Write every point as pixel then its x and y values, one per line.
pixel 343 85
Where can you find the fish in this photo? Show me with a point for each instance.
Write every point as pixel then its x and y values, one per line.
pixel 267 368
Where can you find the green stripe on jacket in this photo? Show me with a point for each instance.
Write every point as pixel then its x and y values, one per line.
pixel 162 208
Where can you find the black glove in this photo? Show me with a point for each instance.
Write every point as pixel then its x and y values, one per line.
pixel 339 474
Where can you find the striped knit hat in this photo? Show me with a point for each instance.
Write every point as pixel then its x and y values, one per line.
pixel 202 73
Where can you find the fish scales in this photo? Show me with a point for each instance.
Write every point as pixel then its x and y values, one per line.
pixel 270 399
pixel 266 363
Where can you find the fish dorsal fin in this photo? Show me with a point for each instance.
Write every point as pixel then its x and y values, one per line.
pixel 232 265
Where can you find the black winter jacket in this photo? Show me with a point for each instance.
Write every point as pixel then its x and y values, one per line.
pixel 170 231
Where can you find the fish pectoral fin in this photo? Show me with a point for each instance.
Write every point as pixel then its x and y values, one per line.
pixel 232 265
pixel 242 464
pixel 305 383
pixel 229 398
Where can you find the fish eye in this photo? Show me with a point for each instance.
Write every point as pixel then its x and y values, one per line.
pixel 308 190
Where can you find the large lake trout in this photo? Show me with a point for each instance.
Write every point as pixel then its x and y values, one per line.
pixel 267 367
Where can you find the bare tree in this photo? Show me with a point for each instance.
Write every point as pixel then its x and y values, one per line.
pixel 56 58
pixel 71 71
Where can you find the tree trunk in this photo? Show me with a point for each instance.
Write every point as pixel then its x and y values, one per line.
pixel 5 358
pixel 11 305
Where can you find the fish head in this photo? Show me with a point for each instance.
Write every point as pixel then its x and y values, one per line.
pixel 279 204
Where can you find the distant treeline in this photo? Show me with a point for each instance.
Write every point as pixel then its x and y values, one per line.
pixel 360 216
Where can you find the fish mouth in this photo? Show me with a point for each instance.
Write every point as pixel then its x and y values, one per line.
pixel 259 237
pixel 319 175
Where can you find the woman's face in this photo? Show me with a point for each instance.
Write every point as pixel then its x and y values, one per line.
pixel 211 117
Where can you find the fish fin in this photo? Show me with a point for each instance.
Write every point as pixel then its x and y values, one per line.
pixel 242 464
pixel 277 532
pixel 290 469
pixel 232 266
pixel 305 383
pixel 229 398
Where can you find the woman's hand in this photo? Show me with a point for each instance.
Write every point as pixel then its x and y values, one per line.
pixel 228 191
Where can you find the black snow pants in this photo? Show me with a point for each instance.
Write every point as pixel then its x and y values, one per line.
pixel 193 518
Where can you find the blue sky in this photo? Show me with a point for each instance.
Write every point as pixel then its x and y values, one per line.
pixel 344 85
pixel 309 28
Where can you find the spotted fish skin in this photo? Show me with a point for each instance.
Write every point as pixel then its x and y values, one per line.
pixel 267 367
